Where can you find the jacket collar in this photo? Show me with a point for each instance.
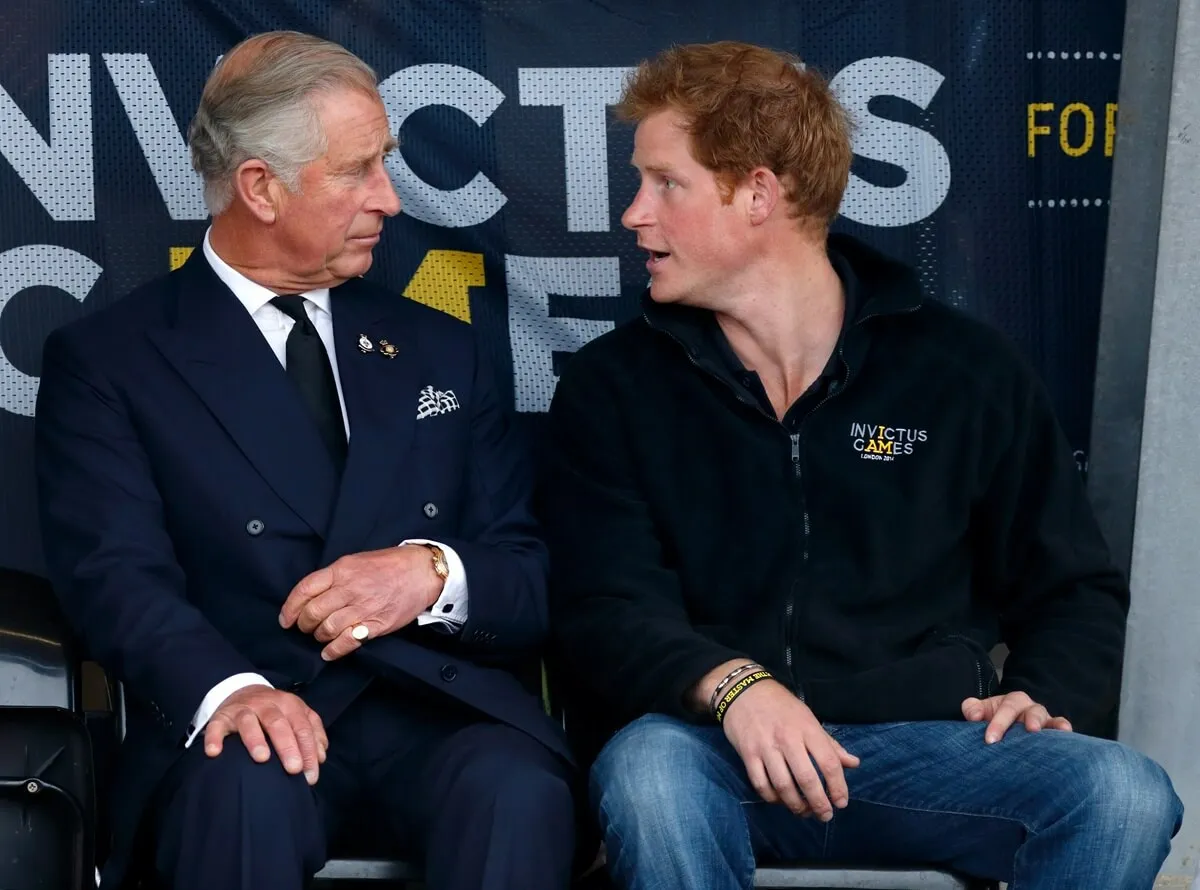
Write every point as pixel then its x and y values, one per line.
pixel 218 350
pixel 875 285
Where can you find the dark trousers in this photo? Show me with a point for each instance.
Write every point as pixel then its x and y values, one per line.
pixel 481 805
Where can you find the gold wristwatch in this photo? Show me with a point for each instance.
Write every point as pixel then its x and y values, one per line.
pixel 440 566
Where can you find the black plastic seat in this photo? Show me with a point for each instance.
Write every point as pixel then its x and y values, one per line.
pixel 47 785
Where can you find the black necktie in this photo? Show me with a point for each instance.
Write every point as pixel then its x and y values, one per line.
pixel 308 366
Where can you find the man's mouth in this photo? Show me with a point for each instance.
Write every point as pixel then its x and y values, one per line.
pixel 656 258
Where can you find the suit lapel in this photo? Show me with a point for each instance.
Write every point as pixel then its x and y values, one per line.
pixel 381 402
pixel 220 352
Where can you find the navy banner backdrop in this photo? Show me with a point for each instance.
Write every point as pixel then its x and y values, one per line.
pixel 984 134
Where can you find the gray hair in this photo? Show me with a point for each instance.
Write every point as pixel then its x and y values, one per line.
pixel 259 103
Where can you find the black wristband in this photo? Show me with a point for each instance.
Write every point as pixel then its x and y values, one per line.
pixel 737 689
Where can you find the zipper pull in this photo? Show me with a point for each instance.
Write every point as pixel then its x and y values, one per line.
pixel 795 437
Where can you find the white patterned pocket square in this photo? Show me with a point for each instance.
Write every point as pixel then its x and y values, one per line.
pixel 433 402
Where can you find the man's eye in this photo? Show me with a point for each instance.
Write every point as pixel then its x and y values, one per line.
pixel 669 183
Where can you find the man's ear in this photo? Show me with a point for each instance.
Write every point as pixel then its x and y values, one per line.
pixel 764 192
pixel 257 187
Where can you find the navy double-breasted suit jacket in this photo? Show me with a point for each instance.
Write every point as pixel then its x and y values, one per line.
pixel 184 490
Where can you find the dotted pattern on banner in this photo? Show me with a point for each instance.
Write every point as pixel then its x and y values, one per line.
pixel 927 249
pixel 56 168
pixel 533 284
pixel 1063 203
pixel 514 172
pixel 1066 56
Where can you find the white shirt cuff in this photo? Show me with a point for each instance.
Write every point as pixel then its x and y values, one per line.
pixel 216 696
pixel 450 610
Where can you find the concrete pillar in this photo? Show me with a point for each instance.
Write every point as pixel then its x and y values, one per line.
pixel 1146 462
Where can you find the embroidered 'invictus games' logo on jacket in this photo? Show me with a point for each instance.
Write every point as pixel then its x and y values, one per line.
pixel 877 442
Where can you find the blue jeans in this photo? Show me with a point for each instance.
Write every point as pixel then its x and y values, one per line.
pixel 1038 810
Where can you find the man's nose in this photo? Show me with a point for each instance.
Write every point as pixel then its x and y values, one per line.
pixel 383 194
pixel 637 213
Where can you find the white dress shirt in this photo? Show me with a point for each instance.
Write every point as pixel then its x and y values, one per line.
pixel 450 609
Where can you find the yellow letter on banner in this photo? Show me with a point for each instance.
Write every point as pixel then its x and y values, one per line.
pixel 444 279
pixel 1036 129
pixel 179 256
pixel 1089 129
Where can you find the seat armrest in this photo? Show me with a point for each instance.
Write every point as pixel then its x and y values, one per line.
pixel 39 660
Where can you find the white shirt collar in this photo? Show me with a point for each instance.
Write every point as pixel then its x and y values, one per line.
pixel 251 294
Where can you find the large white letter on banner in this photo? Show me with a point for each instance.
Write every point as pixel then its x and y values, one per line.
pixel 37 265
pixel 58 172
pixel 584 94
pixel 535 334
pixel 157 133
pixel 917 152
pixel 473 94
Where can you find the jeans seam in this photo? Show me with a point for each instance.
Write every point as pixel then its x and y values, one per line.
pixel 607 826
pixel 948 812
pixel 1030 832
pixel 749 839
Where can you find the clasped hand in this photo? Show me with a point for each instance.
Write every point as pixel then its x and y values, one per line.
pixel 384 590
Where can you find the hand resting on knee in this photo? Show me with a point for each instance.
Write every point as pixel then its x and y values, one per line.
pixel 1002 711
pixel 257 713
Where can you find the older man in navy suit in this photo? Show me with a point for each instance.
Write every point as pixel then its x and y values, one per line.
pixel 283 506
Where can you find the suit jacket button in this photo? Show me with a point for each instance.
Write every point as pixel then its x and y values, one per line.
pixel 430 510
pixel 255 526
pixel 449 672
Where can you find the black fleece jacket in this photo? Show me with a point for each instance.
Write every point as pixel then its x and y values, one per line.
pixel 917 506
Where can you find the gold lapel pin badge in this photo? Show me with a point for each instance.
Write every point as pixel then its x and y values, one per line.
pixel 388 349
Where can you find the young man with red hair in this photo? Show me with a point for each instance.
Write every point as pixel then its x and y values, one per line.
pixel 792 508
